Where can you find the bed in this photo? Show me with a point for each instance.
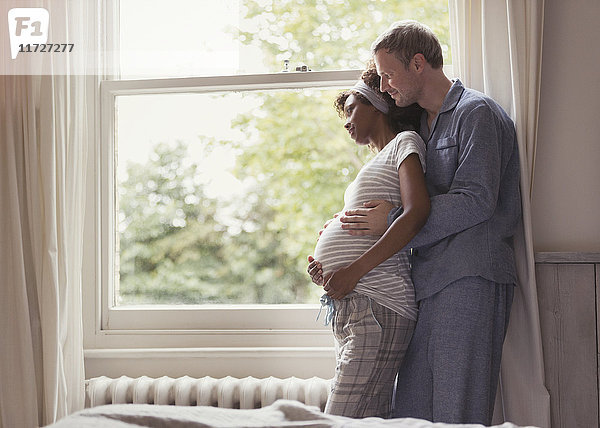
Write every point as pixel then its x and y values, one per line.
pixel 282 413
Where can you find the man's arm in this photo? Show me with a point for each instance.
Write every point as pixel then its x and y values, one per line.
pixel 473 193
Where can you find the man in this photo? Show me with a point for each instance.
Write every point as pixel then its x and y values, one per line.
pixel 463 260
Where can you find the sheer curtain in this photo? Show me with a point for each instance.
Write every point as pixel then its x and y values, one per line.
pixel 43 151
pixel 496 49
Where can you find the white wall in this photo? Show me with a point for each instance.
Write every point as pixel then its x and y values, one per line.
pixel 566 192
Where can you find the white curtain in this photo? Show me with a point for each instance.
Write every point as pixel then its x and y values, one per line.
pixel 496 49
pixel 43 152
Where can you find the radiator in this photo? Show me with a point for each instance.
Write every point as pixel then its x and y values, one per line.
pixel 228 392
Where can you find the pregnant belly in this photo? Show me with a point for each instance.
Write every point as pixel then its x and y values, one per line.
pixel 336 248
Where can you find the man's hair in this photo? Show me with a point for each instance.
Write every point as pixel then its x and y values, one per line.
pixel 405 39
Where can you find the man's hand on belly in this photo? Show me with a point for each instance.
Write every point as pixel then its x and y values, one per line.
pixel 372 219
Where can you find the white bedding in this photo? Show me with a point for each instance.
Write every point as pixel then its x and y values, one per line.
pixel 282 413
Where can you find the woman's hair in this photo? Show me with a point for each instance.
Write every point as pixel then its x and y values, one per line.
pixel 399 118
pixel 405 39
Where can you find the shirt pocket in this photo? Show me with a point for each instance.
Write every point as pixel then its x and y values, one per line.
pixel 442 162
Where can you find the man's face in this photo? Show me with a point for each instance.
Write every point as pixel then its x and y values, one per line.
pixel 396 80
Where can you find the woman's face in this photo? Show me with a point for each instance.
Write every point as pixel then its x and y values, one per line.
pixel 360 119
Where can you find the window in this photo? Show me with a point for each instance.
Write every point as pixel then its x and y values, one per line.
pixel 208 200
pixel 220 213
pixel 219 163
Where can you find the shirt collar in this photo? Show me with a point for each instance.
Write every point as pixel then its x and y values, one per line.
pixel 452 97
pixel 450 101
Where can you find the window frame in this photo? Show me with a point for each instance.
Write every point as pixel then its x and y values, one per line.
pixel 270 320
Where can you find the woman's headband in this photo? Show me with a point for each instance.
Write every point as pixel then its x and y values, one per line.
pixel 373 96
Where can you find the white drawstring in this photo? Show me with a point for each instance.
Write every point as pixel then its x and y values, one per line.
pixel 327 302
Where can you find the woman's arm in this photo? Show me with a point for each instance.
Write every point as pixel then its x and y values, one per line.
pixel 415 201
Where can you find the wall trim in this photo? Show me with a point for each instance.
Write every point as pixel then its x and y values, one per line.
pixel 567 257
pixel 259 362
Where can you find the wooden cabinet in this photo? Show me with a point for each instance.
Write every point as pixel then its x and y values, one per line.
pixel 567 286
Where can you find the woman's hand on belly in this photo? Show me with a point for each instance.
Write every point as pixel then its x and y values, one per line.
pixel 341 283
pixel 315 270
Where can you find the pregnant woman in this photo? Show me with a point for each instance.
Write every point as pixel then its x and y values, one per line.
pixel 370 295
